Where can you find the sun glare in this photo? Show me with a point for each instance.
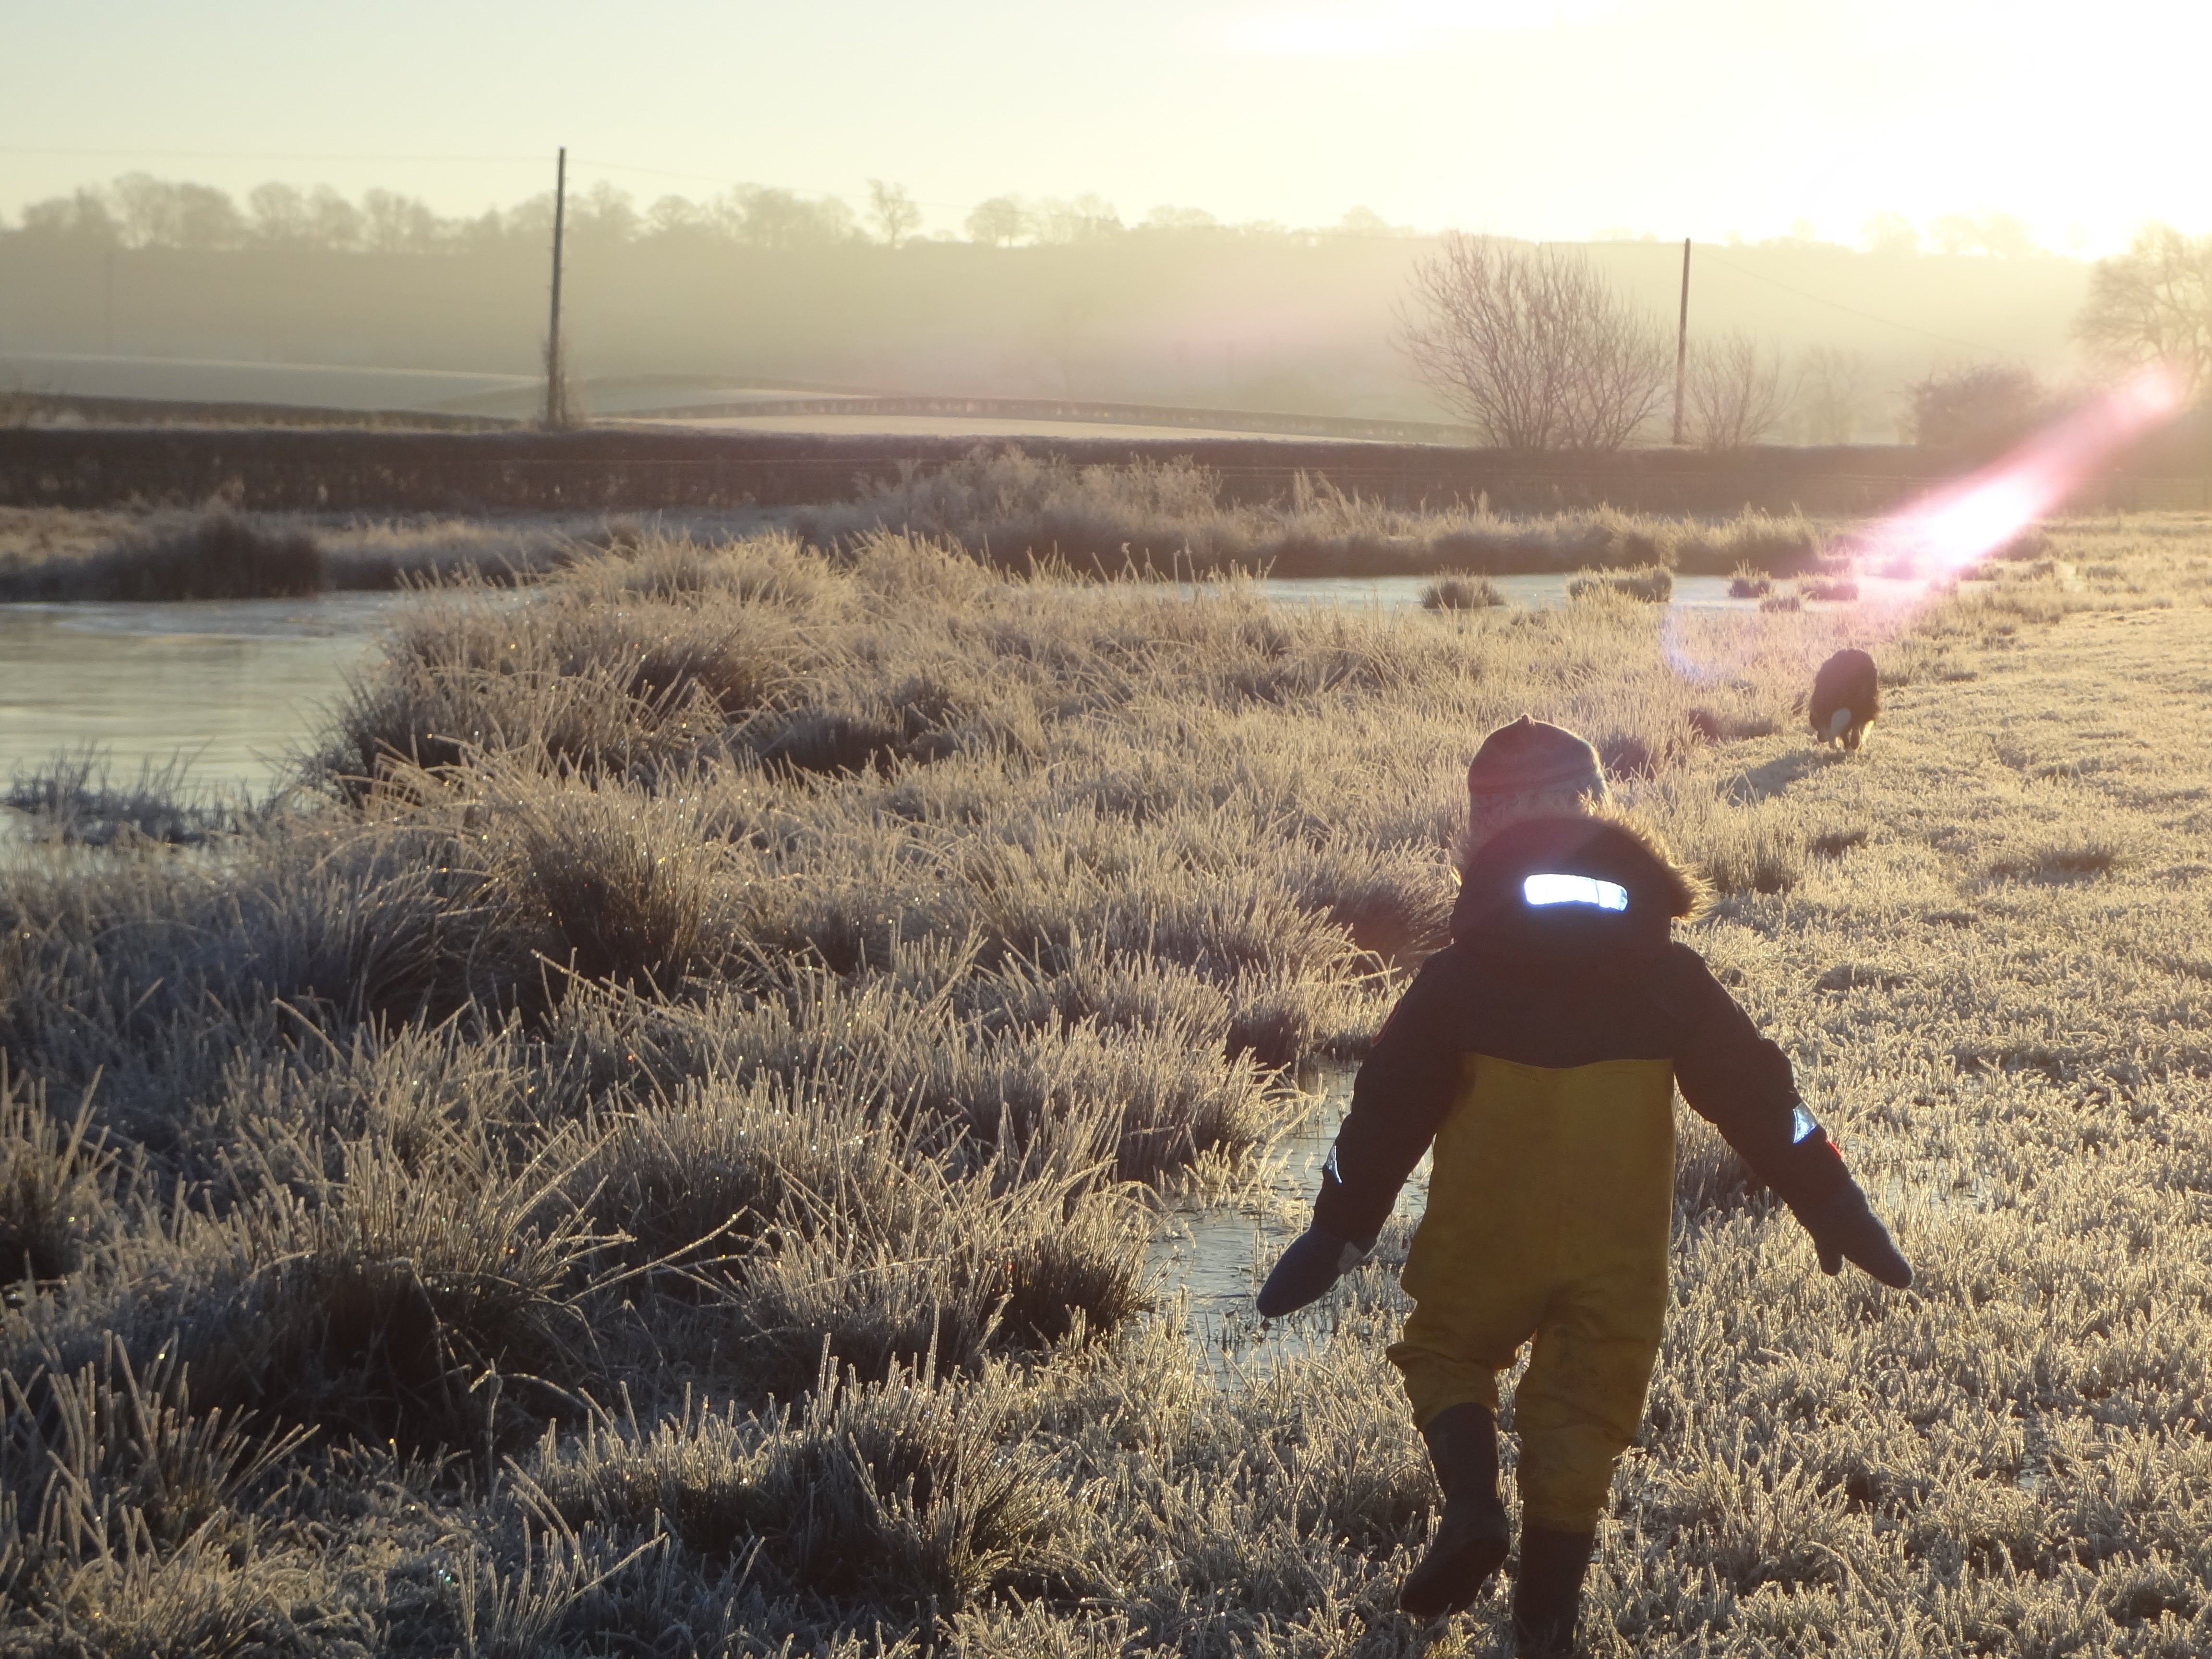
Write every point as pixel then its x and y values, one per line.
pixel 1950 530
pixel 1961 524
pixel 1334 31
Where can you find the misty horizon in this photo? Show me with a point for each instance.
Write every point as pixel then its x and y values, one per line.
pixel 140 209
pixel 1554 119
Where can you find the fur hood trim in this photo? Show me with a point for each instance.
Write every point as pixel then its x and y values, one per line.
pixel 1606 841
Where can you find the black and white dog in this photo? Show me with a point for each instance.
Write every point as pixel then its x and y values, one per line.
pixel 1845 698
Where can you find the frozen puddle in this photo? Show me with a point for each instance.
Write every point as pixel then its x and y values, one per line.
pixel 1210 1259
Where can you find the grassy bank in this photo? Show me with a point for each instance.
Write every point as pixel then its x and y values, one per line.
pixel 1173 517
pixel 676 1124
pixel 56 555
pixel 1151 519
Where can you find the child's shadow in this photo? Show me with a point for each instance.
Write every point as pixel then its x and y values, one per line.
pixel 1761 782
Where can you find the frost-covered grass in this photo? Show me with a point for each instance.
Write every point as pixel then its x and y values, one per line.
pixel 1173 518
pixel 656 1153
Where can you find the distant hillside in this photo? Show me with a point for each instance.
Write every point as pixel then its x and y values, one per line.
pixel 1199 318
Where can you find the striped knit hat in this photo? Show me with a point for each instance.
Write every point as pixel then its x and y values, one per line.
pixel 1533 758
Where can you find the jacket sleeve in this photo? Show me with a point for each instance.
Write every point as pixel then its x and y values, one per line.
pixel 1398 1102
pixel 1742 1084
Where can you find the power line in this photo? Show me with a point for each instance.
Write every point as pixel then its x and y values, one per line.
pixel 1822 300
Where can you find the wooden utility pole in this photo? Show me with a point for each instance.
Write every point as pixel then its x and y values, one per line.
pixel 107 327
pixel 1681 339
pixel 557 379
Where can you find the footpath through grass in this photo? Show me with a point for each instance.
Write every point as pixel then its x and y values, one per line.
pixel 660 1158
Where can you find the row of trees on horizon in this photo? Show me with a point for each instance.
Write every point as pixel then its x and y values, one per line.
pixel 139 210
pixel 1533 345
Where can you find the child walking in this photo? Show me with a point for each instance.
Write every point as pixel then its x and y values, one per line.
pixel 1540 1052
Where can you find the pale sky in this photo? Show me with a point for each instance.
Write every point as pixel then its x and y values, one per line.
pixel 1556 119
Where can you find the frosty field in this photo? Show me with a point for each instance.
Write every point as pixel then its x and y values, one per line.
pixel 656 1152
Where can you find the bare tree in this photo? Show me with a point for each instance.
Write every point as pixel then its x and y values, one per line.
pixel 1531 346
pixel 1737 394
pixel 145 208
pixel 280 213
pixel 894 211
pixel 674 215
pixel 1890 234
pixel 1954 233
pixel 335 222
pixel 767 217
pixel 603 215
pixel 156 213
pixel 1366 222
pixel 392 224
pixel 2153 304
pixel 999 222
pixel 2007 236
pixel 1831 393
pixel 1088 218
pixel 84 215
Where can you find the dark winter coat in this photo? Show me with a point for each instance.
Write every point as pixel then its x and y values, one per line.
pixel 1563 985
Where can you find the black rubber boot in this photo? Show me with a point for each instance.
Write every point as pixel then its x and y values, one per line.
pixel 1547 1592
pixel 1472 1536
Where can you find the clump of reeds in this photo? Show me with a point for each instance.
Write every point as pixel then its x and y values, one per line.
pixel 53 1182
pixel 74 799
pixel 1647 584
pixel 906 1492
pixel 1746 583
pixel 1461 593
pixel 1832 589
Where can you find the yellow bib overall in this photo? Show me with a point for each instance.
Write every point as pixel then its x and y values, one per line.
pixel 1550 1196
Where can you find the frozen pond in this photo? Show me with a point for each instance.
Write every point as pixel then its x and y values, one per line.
pixel 232 687
pixel 1404 593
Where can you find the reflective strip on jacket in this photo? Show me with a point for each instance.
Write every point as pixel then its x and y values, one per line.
pixel 1596 992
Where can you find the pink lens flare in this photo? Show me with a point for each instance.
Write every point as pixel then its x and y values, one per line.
pixel 1955 527
pixel 1704 654
pixel 1962 523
